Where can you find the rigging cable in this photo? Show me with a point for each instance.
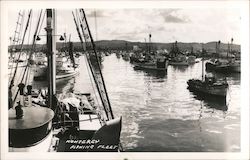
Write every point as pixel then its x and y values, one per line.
pixel 99 68
pixel 87 62
pixel 86 59
pixel 12 80
pixel 92 70
pixel 95 26
pixel 40 27
pixel 17 31
pixel 31 52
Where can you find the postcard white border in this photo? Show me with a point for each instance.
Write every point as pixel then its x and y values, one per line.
pixel 244 7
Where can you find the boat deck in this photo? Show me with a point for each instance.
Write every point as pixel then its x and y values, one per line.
pixel 89 122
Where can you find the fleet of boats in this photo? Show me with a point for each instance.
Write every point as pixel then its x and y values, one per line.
pixel 76 122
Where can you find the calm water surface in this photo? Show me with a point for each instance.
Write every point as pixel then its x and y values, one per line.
pixel 159 113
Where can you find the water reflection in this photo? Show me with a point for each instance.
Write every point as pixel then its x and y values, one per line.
pixel 179 68
pixel 212 101
pixel 160 113
pixel 154 73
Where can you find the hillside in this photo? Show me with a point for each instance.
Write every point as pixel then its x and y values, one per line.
pixel 123 45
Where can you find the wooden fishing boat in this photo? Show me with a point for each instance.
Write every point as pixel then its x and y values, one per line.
pixel 235 66
pixel 179 60
pixel 160 63
pixel 226 65
pixel 32 132
pixel 176 57
pixel 150 62
pixel 218 65
pixel 71 123
pixel 210 85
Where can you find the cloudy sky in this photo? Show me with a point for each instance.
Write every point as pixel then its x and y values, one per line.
pixel 165 25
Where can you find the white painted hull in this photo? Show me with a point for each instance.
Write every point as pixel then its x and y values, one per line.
pixel 68 74
pixel 41 72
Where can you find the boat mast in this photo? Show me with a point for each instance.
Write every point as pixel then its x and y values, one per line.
pixel 231 48
pixel 149 43
pixel 218 48
pixel 51 52
pixel 202 60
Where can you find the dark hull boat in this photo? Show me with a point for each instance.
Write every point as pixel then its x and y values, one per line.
pixel 32 132
pixel 149 61
pixel 210 66
pixel 160 64
pixel 208 87
pixel 179 61
pixel 230 67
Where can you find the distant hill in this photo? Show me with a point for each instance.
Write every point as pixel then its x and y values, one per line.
pixel 123 45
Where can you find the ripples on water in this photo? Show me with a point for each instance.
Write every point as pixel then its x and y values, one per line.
pixel 159 112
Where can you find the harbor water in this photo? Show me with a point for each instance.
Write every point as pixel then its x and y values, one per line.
pixel 159 113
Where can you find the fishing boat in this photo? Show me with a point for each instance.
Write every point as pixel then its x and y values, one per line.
pixel 160 63
pixel 151 62
pixel 39 63
pixel 73 122
pixel 30 128
pixel 191 60
pixel 126 55
pixel 235 65
pixel 118 54
pixel 66 65
pixel 226 65
pixel 234 61
pixel 177 58
pixel 137 57
pixel 218 65
pixel 210 85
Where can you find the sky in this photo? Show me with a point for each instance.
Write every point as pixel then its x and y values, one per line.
pixel 165 25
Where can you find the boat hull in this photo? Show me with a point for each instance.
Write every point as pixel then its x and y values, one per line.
pixel 209 89
pixel 235 68
pixel 67 74
pixel 218 68
pixel 40 72
pixel 178 63
pixel 149 68
pixel 32 132
pixel 158 65
pixel 42 146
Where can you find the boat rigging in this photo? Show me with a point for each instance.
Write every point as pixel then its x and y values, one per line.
pixel 61 118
